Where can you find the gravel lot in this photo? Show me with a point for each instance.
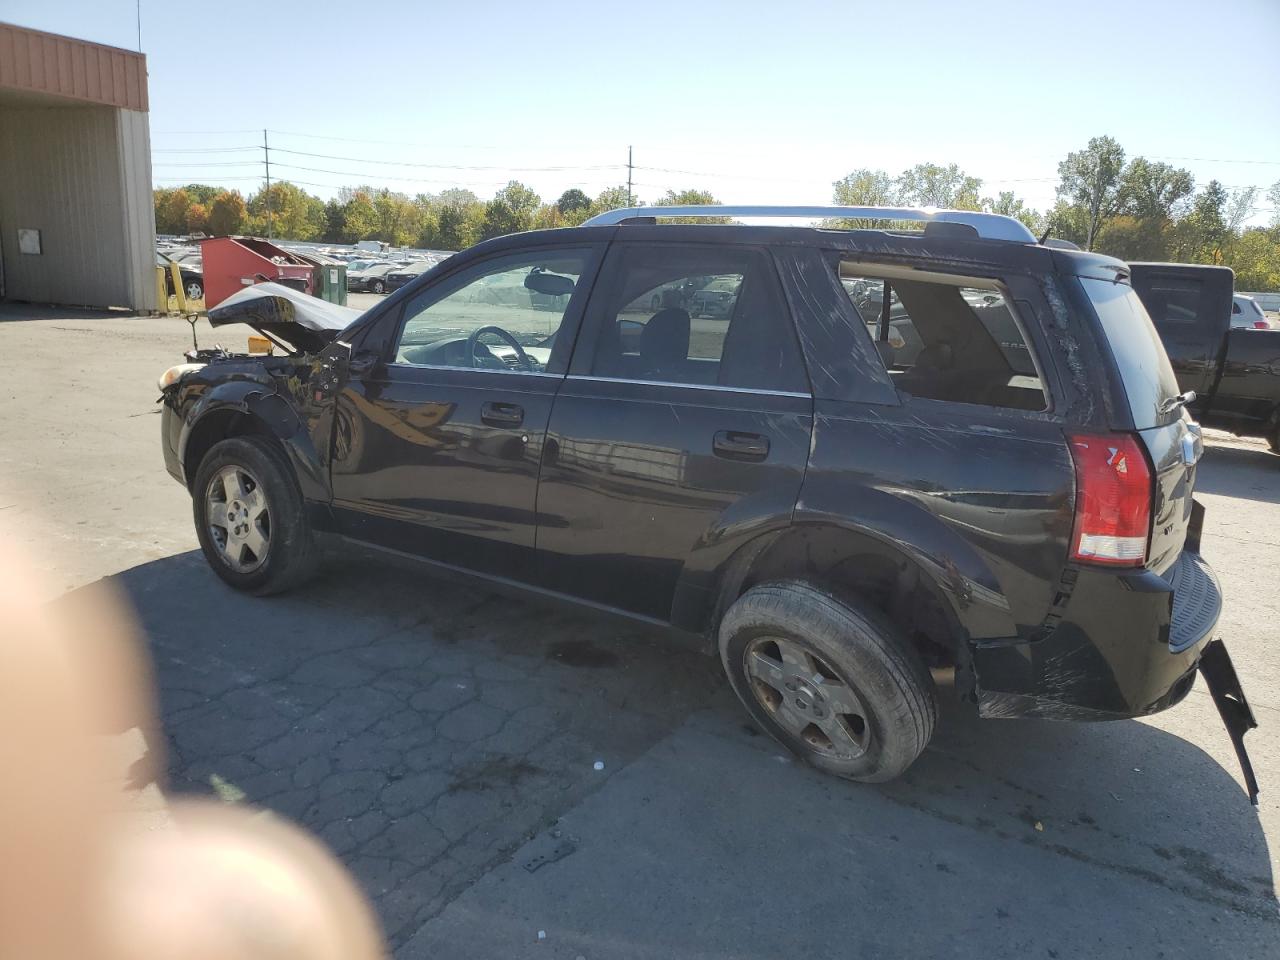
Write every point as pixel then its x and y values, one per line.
pixel 443 741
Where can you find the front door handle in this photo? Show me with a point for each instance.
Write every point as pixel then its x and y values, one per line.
pixel 502 414
pixel 733 445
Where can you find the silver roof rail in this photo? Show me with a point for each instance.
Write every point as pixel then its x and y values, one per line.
pixel 990 226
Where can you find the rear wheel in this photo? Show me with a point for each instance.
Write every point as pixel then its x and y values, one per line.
pixel 250 517
pixel 831 682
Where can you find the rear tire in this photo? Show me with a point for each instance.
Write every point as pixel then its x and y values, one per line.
pixel 250 517
pixel 834 684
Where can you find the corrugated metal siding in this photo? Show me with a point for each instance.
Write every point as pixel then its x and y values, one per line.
pixel 134 137
pixel 38 62
pixel 61 172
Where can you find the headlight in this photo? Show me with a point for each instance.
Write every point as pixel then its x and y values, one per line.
pixel 174 374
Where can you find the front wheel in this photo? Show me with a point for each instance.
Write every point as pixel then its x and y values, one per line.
pixel 833 683
pixel 250 517
pixel 379 286
pixel 194 290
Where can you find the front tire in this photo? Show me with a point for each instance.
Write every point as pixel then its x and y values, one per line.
pixel 379 286
pixel 194 290
pixel 834 684
pixel 250 518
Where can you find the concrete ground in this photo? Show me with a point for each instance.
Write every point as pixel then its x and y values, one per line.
pixel 443 741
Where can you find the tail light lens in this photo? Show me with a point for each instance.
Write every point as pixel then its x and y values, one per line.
pixel 1113 500
pixel 1261 325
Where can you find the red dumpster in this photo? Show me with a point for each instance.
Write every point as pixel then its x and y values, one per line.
pixel 232 263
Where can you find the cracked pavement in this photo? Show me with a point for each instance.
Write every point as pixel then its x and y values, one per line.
pixel 442 739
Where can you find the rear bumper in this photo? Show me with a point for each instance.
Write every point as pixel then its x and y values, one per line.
pixel 1119 645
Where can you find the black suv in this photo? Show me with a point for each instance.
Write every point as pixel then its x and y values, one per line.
pixel 999 481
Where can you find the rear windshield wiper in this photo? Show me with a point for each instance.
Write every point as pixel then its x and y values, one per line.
pixel 1181 400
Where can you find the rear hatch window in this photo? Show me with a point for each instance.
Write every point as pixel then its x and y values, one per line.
pixel 1140 356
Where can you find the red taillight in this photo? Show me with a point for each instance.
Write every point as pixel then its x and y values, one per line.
pixel 1113 500
pixel 1261 325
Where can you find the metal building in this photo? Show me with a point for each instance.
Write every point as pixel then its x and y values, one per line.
pixel 77 225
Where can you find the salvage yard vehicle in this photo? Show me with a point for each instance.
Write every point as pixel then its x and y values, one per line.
pixel 1230 372
pixel 1012 499
pixel 372 278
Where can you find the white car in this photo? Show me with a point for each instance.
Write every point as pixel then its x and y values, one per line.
pixel 1247 314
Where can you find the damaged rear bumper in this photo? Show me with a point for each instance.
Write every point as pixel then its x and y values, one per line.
pixel 1120 645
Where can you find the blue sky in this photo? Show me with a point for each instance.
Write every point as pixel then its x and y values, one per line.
pixel 758 102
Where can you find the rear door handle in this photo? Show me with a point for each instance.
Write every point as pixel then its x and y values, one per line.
pixel 502 414
pixel 733 445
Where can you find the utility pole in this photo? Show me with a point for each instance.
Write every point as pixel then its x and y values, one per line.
pixel 628 176
pixel 266 154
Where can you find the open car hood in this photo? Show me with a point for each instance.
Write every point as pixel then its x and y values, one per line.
pixel 304 322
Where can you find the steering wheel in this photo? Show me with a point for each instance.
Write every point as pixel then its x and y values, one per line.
pixel 474 340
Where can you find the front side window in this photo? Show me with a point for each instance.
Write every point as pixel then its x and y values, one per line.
pixel 694 314
pixel 503 314
pixel 943 338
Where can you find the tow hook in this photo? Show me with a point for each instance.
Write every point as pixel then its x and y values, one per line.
pixel 1224 686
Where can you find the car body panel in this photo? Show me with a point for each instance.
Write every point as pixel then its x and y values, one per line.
pixel 611 491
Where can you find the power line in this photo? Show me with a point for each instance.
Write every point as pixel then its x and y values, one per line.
pixel 448 166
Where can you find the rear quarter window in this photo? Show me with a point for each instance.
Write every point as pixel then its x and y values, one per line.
pixel 1139 353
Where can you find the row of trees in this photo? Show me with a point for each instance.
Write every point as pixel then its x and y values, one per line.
pixel 450 220
pixel 1132 208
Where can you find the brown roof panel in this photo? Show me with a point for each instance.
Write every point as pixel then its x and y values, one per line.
pixel 32 61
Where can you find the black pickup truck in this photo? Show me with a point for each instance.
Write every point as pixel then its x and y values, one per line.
pixel 1235 373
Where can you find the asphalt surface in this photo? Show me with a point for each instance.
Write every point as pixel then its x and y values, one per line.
pixel 444 741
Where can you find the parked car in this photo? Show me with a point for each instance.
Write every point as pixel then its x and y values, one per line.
pixel 395 279
pixel 830 521
pixel 372 278
pixel 1246 312
pixel 1234 371
pixel 192 276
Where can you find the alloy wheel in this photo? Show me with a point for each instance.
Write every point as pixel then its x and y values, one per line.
pixel 805 696
pixel 238 518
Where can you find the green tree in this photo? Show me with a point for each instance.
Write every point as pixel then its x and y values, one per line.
pixel 611 198
pixel 1009 205
pixel 929 185
pixel 1092 179
pixel 510 211
pixel 227 213
pixel 865 188
pixel 1255 257
pixel 171 210
pixel 335 221
pixel 286 211
pixel 359 217
pixel 572 201
pixel 690 198
pixel 1068 221
pixel 1153 191
pixel 1134 238
pixel 1273 197
pixel 197 219
pixel 1201 236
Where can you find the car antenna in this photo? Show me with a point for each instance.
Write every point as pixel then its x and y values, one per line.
pixel 1045 235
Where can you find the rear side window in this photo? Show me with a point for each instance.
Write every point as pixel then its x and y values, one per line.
pixel 1140 356
pixel 1173 300
pixel 692 314
pixel 943 338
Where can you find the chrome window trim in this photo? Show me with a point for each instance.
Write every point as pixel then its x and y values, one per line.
pixel 691 386
pixel 442 366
